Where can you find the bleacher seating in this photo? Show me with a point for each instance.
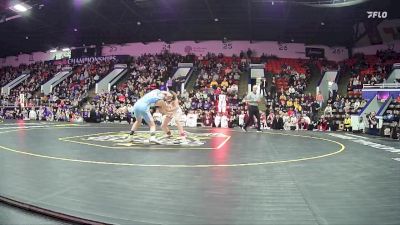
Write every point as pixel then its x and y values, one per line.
pixel 75 88
pixel 40 73
pixel 9 73
pixel 391 119
pixel 392 113
pixel 368 69
pixel 286 71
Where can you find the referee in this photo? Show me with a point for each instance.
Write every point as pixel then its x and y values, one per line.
pixel 252 100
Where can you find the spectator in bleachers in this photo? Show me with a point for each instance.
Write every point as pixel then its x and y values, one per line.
pixel 347 123
pixel 356 104
pixel 224 83
pixel 328 110
pixel 277 123
pixel 372 123
pixel 333 90
pixel 304 122
pixel 323 124
pixel 347 106
pixel 319 98
pixel 264 87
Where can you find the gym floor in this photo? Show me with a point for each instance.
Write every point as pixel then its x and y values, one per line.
pixel 221 176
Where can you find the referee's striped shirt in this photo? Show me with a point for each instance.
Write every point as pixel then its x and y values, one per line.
pixel 253 99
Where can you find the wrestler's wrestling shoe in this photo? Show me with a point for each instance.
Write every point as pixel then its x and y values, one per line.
pixel 130 138
pixel 182 136
pixel 153 139
pixel 183 139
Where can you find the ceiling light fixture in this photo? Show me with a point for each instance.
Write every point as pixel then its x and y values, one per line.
pixel 53 50
pixel 66 49
pixel 20 7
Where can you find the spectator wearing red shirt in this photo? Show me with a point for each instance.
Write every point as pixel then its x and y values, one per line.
pixel 290 112
pixel 217 91
pixel 303 124
pixel 152 86
pixel 207 119
pixel 322 124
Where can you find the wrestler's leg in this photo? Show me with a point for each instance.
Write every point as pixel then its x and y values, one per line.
pixel 150 121
pixel 164 125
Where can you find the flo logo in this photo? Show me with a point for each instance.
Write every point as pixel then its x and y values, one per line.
pixel 377 14
pixel 140 139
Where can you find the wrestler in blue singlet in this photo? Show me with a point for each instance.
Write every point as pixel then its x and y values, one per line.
pixel 141 109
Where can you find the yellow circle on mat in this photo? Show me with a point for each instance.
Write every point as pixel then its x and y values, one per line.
pixel 336 151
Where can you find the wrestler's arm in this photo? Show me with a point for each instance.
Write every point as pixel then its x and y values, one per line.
pixel 165 93
pixel 164 107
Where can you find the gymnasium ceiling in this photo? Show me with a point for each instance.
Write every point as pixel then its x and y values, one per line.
pixel 60 23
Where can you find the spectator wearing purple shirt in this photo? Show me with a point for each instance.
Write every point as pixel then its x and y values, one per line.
pixel 194 104
pixel 169 83
pixel 206 105
pixel 163 87
pixel 200 105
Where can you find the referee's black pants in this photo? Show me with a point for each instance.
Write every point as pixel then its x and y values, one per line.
pixel 253 111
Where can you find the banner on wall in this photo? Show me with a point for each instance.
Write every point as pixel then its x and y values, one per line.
pixel 82 60
pixel 228 48
pixel 315 52
pixel 195 50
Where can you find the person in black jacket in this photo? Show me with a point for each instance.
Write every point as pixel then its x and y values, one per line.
pixel 372 123
pixel 277 123
pixel 314 110
pixel 273 88
pixel 264 87
pixel 394 131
